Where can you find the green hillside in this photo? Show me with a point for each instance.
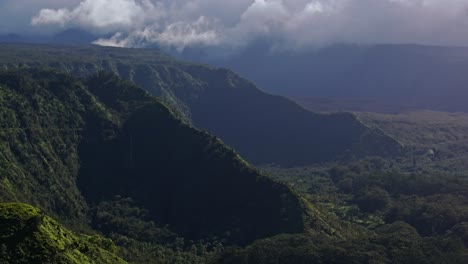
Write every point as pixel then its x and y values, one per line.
pixel 262 127
pixel 27 235
pixel 71 146
pixel 187 178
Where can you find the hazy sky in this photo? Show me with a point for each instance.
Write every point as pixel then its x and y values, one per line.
pixel 286 23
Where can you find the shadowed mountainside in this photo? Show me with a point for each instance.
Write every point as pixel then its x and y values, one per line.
pixel 262 127
pixel 68 144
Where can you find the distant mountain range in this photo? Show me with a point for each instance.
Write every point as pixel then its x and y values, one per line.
pixel 385 77
pixel 399 77
pixel 69 36
pixel 262 127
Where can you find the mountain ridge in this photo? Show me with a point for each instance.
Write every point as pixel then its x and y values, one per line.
pixel 399 75
pixel 128 143
pixel 262 127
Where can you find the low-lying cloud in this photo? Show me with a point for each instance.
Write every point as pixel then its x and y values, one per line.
pixel 176 35
pixel 291 24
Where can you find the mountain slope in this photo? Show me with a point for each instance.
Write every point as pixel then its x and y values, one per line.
pixel 41 124
pixel 27 235
pixel 67 145
pixel 262 127
pixel 194 198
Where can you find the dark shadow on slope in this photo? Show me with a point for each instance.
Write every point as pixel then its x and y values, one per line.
pixel 187 179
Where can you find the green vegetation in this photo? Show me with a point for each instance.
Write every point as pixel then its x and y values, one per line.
pixel 387 214
pixel 27 235
pixel 41 128
pixel 143 161
pixel 393 243
pixel 70 147
pixel 412 209
pixel 262 128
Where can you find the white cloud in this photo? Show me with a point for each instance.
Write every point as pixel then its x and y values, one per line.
pixel 102 15
pixel 287 23
pixel 177 35
pixel 51 16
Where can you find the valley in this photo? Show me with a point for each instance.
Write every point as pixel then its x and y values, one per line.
pixel 129 155
pixel 425 188
pixel 386 77
pixel 233 132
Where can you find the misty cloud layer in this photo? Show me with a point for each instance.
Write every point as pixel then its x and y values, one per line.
pixel 286 23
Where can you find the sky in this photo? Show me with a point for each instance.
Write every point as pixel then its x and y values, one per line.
pixel 287 24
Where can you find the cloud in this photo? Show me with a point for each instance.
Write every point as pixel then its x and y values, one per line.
pixel 101 15
pixel 177 35
pixel 15 15
pixel 288 24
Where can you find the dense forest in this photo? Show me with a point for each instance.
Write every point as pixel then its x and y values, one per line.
pixel 425 211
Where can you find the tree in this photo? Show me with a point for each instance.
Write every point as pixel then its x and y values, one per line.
pixel 374 199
